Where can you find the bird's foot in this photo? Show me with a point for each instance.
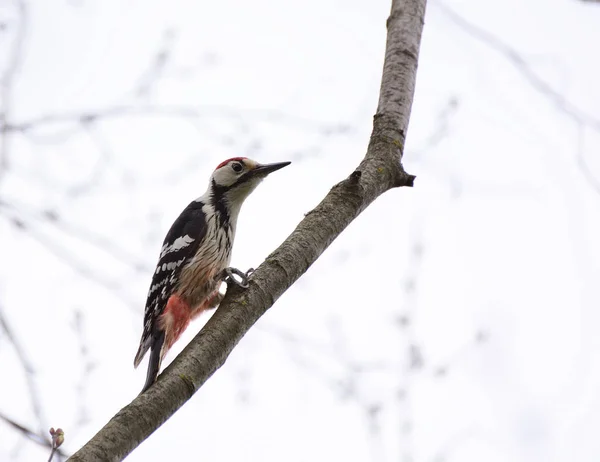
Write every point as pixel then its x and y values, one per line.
pixel 228 275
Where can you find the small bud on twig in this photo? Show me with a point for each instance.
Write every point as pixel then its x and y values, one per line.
pixel 58 438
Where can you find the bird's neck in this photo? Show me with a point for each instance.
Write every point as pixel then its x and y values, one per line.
pixel 224 203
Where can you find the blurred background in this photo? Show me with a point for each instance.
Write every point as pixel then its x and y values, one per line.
pixel 452 322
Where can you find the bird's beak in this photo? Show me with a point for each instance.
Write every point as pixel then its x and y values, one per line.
pixel 265 169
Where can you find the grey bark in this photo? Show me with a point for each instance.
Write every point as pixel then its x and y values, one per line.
pixel 379 171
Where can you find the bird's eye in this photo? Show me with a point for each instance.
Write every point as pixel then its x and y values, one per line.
pixel 237 167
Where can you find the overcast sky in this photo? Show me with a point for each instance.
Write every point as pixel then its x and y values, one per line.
pixel 455 321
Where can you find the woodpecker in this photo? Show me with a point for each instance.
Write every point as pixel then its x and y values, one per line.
pixel 194 258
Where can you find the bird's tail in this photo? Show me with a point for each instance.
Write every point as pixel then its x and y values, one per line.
pixel 144 345
pixel 155 358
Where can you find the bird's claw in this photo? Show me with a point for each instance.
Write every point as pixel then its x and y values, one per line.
pixel 229 277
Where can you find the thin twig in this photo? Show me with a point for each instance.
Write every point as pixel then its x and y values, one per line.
pixel 88 367
pixel 26 213
pixel 113 286
pixel 8 79
pixel 31 435
pixel 186 112
pixel 582 162
pixel 519 62
pixel 513 56
pixel 28 370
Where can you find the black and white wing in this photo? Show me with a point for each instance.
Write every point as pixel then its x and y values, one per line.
pixel 180 245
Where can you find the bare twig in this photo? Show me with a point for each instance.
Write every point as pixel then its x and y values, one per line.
pixel 31 435
pixel 412 360
pixel 28 370
pixel 581 161
pixel 88 367
pixel 7 81
pixel 156 70
pixel 520 63
pixel 27 214
pixel 440 132
pixel 185 112
pixel 112 285
pixel 102 162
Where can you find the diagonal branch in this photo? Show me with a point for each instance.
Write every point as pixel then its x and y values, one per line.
pixel 380 171
pixel 29 434
pixel 520 63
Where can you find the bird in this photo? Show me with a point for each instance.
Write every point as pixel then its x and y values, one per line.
pixel 194 259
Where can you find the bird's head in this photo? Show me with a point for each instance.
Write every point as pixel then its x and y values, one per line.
pixel 234 179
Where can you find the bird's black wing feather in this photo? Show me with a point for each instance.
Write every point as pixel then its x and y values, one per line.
pixel 181 243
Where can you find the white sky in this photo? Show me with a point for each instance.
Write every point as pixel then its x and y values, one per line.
pixel 498 239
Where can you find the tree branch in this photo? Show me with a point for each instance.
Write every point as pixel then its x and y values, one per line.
pixel 380 170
